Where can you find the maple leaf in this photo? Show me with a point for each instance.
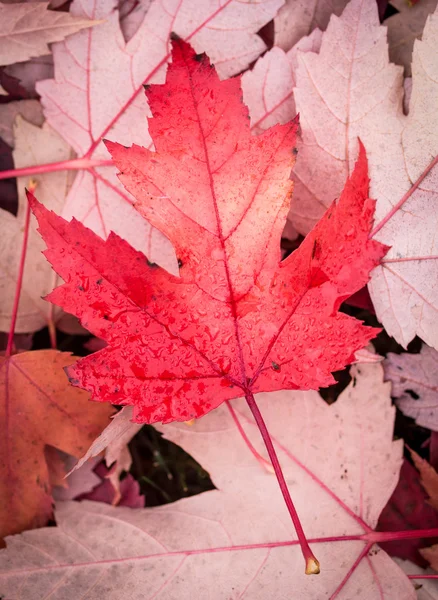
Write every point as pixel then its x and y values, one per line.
pixel 414 380
pixel 407 509
pixel 429 478
pixel 32 384
pixel 348 90
pixel 28 28
pixel 108 94
pixel 43 145
pixel 268 88
pixel 211 537
pixel 231 324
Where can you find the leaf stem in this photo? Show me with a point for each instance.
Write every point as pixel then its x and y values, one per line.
pixel 312 564
pixel 19 283
pixel 75 164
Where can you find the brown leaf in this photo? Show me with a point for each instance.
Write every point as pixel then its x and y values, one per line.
pixel 429 478
pixel 38 407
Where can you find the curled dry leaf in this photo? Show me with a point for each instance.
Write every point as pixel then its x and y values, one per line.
pixel 32 145
pixel 236 320
pixel 414 380
pixel 172 550
pixel 96 70
pixel 350 90
pixel 38 407
pixel 28 28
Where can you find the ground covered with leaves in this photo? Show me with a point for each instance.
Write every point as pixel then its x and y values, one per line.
pixel 218 222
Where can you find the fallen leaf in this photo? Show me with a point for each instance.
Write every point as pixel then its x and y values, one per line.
pixel 42 145
pixel 237 320
pixel 429 478
pixel 114 439
pixel 33 384
pixel 268 88
pixel 414 380
pixel 405 27
pixel 407 509
pixel 341 476
pixel 125 493
pixel 28 28
pixel 30 110
pixel 32 71
pixel 298 18
pixel 427 589
pixel 350 90
pixel 97 71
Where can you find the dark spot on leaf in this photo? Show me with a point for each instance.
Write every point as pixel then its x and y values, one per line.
pixel 275 366
pixel 295 151
pixel 80 288
pixel 99 281
pixel 180 263
pixel 413 394
pixel 174 37
pixel 151 264
pixel 198 57
pixel 106 317
pixel 147 87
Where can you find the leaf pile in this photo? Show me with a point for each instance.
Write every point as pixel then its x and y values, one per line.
pixel 231 258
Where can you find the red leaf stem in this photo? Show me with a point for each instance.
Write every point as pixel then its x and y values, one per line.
pixel 312 564
pixel 75 164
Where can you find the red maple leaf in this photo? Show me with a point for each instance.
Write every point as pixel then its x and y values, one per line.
pixel 237 320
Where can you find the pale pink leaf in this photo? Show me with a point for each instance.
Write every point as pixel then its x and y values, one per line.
pixel 349 91
pixel 427 588
pixel 97 92
pixel 33 145
pixel 237 541
pixel 28 28
pixel 414 379
pixel 268 88
pixel 114 439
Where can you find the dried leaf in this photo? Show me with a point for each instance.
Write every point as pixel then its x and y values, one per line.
pixel 350 90
pixel 429 478
pixel 32 145
pixel 28 28
pixel 414 380
pixel 210 539
pixel 38 407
